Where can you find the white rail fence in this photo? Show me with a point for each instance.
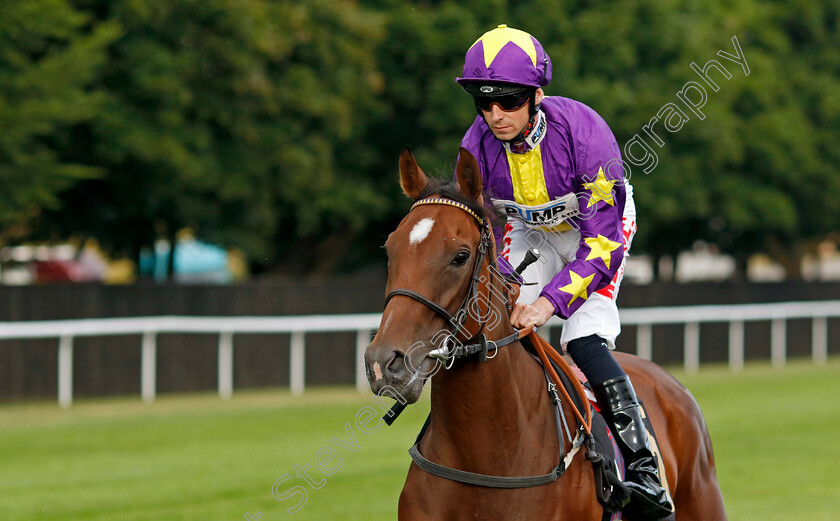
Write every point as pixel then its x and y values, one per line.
pixel 364 324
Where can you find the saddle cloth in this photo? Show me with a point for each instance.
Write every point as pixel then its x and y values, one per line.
pixel 605 443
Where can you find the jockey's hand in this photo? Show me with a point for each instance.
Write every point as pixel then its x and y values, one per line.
pixel 534 314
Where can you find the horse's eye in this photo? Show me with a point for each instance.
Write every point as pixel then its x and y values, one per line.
pixel 461 258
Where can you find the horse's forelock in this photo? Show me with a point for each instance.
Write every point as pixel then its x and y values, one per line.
pixel 449 190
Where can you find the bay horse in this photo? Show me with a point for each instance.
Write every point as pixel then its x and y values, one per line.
pixel 495 418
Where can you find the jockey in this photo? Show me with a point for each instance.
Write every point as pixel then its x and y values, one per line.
pixel 553 167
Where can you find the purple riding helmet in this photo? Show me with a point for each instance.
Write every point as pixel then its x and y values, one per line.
pixel 505 64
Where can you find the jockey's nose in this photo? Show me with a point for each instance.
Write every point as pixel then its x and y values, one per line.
pixel 496 112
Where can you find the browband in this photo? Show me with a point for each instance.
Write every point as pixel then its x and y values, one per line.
pixel 448 202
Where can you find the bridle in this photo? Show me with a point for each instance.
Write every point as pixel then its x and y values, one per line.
pixel 476 343
pixel 480 346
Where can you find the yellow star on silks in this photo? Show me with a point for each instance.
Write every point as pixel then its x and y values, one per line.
pixel 601 247
pixel 577 287
pixel 497 38
pixel 601 189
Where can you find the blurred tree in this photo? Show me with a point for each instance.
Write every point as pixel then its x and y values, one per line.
pixel 796 130
pixel 240 120
pixel 600 58
pixel 50 56
pixel 276 126
pixel 418 57
pixel 755 174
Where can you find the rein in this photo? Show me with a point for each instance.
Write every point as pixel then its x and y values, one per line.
pixel 545 352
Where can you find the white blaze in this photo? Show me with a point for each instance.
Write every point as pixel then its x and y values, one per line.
pixel 421 230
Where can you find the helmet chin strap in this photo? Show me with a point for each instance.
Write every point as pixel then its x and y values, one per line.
pixel 531 135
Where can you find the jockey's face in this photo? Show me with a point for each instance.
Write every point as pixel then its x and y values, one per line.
pixel 505 124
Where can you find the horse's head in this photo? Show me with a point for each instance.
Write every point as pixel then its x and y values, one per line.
pixel 434 259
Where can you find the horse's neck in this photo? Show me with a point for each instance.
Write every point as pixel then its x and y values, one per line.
pixel 487 416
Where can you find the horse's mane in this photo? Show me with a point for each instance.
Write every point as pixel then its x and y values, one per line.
pixel 449 189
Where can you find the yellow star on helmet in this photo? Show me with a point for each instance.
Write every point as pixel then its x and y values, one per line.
pixel 577 287
pixel 601 189
pixel 499 37
pixel 601 247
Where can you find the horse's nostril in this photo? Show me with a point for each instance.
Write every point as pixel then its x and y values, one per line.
pixel 396 365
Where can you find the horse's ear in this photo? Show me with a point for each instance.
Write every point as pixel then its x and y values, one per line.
pixel 412 179
pixel 468 174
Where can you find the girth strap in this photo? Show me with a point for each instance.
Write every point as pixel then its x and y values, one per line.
pixel 483 480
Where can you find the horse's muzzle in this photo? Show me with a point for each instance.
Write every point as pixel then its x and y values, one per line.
pixel 391 373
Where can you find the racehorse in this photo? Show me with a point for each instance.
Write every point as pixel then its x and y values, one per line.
pixel 493 417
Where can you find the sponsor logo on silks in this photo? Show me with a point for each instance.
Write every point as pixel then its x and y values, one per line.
pixel 549 214
pixel 537 133
pixel 532 137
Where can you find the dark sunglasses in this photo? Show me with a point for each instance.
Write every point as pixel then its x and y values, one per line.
pixel 508 103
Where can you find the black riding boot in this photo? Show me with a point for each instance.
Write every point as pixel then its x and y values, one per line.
pixel 648 498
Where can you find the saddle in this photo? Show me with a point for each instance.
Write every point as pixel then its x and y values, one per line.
pixel 604 452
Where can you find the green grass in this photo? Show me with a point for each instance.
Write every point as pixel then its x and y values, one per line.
pixel 776 435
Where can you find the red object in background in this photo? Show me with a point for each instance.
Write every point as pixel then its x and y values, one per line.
pixel 64 271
